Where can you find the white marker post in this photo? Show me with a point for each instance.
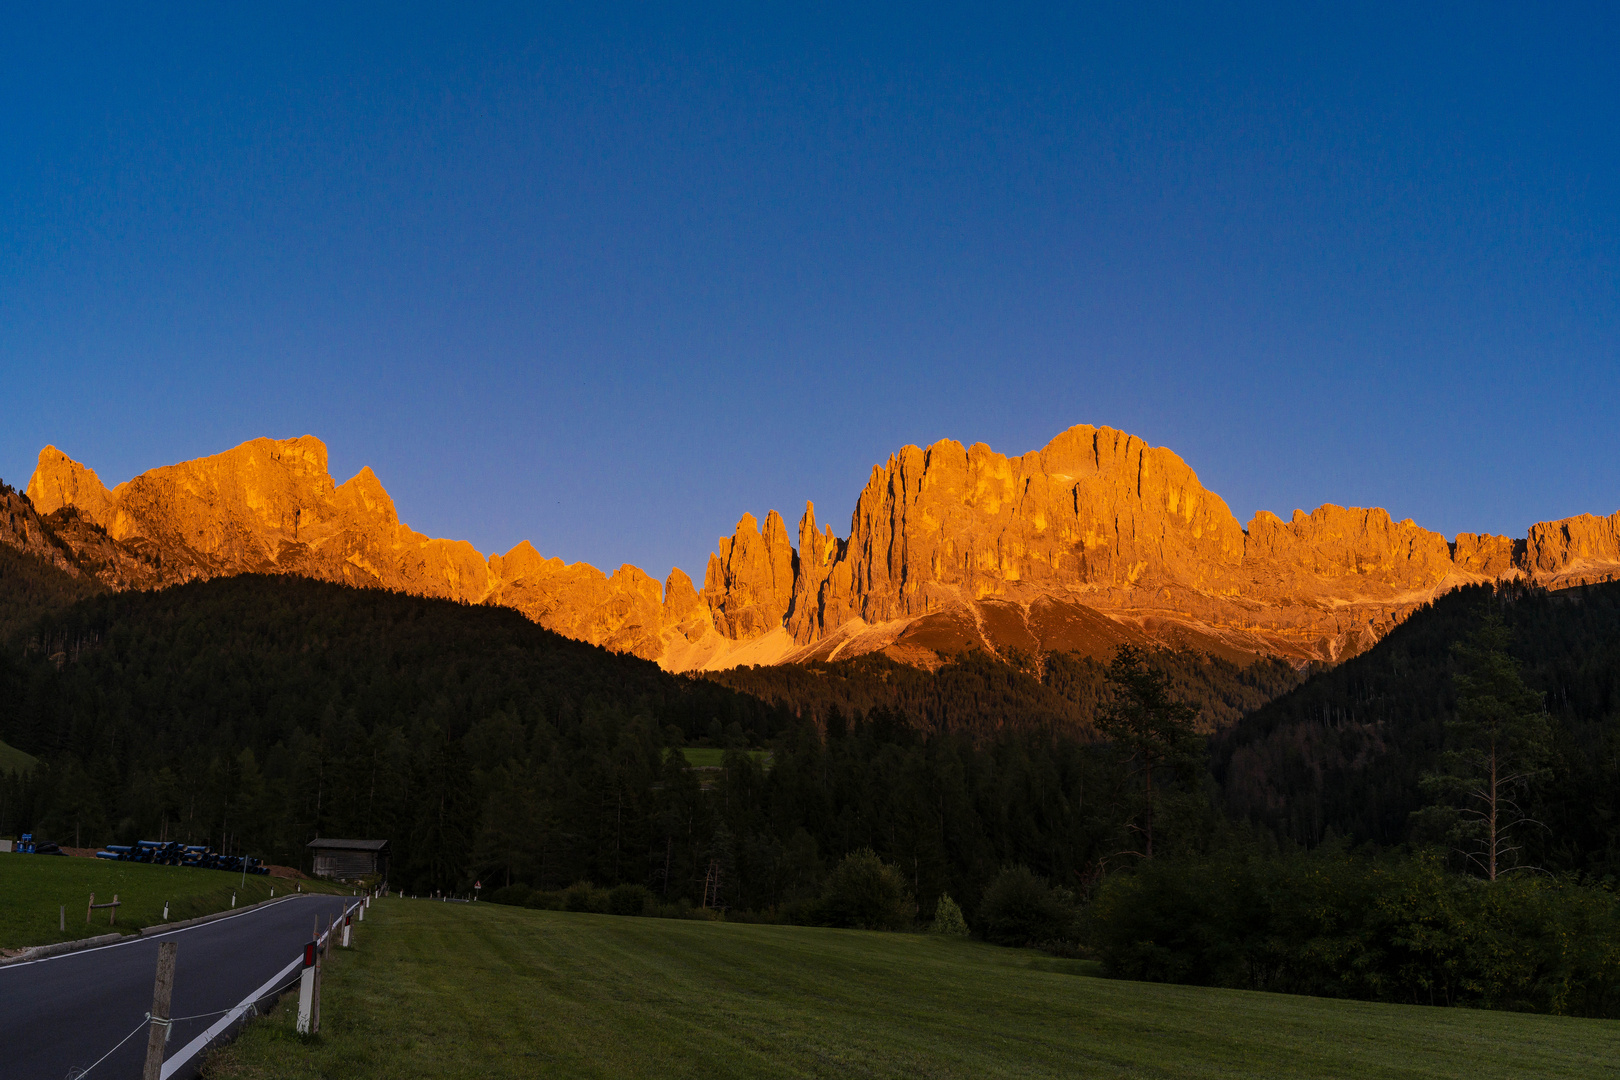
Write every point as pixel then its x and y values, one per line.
pixel 306 990
pixel 347 919
pixel 360 912
pixel 322 955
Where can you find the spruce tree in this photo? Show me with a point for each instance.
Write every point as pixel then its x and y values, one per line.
pixel 1496 748
pixel 1154 729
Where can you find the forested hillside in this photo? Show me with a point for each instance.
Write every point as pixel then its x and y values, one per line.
pixel 260 712
pixel 977 694
pixel 1346 750
pixel 264 711
pixel 31 587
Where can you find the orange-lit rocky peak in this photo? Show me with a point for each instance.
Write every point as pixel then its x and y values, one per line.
pixel 818 553
pixel 522 561
pixel 749 582
pixel 60 481
pixel 1100 468
pixel 1575 550
pixel 1095 508
pixel 363 495
pixel 680 597
pixel 266 506
pixel 238 506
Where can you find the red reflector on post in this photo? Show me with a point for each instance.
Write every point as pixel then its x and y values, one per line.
pixel 309 954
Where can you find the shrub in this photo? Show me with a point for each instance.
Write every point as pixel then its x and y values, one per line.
pixel 948 918
pixel 1022 909
pixel 583 896
pixel 511 894
pixel 1396 929
pixel 630 900
pixel 864 893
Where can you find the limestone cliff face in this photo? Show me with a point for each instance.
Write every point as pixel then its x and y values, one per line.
pixel 1095 510
pixel 1094 539
pixel 1098 537
pixel 1487 556
pixel 267 506
pixel 749 583
pixel 1577 550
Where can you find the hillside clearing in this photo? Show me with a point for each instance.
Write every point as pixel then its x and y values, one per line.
pixel 14 760
pixel 714 757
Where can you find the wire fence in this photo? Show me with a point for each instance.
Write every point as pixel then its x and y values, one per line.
pixel 248 1013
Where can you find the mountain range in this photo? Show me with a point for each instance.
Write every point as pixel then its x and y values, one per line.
pixel 1095 539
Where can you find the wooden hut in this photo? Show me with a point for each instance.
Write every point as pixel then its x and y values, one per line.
pixel 350 860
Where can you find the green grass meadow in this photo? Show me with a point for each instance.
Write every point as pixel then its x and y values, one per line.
pixel 33 888
pixel 14 760
pixel 461 991
pixel 713 757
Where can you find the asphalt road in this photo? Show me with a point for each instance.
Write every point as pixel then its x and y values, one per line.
pixel 60 1014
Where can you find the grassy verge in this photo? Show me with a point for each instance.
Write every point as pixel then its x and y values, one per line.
pixel 458 990
pixel 34 887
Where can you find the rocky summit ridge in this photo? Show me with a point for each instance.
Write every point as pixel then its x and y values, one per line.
pixel 1095 539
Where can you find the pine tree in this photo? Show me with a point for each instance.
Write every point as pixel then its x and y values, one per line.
pixel 1153 728
pixel 1496 748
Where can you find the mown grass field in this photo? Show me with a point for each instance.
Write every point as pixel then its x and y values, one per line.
pixel 479 990
pixel 34 887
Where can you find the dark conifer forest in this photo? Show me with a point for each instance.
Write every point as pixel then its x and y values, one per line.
pixel 1344 754
pixel 258 712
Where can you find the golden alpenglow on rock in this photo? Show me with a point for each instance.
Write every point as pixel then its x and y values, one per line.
pixel 1093 540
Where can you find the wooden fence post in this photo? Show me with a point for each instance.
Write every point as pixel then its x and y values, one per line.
pixel 158 1037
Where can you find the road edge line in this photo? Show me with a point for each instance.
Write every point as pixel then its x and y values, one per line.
pixel 130 939
pixel 197 1045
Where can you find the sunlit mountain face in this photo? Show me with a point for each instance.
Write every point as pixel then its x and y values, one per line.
pixel 1093 540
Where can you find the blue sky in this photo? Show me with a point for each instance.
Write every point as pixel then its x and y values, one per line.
pixel 606 279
